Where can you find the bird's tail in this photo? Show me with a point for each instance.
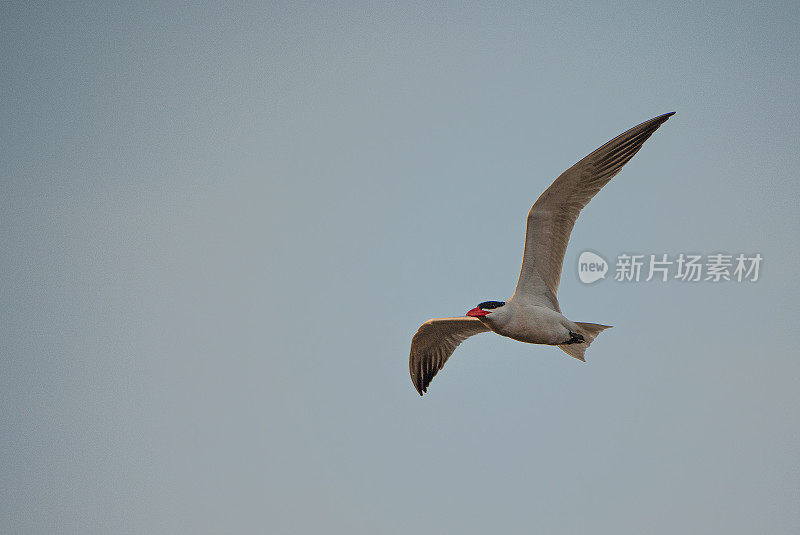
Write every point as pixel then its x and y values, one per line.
pixel 590 331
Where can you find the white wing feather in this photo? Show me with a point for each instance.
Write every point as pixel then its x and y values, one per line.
pixel 435 341
pixel 553 215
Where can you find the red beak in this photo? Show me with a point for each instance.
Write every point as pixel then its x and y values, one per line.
pixel 477 313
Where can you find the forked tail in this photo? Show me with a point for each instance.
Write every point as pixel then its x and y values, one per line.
pixel 590 331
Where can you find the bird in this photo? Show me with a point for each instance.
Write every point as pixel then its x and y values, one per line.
pixel 532 314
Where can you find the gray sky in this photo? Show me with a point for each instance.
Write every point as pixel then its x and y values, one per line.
pixel 221 228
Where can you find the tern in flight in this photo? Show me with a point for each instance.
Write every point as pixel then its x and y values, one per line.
pixel 532 314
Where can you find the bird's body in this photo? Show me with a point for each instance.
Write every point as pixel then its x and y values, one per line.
pixel 533 314
pixel 531 323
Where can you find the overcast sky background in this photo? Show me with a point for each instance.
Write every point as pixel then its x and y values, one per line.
pixel 221 227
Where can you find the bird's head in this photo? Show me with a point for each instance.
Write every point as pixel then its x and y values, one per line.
pixel 485 308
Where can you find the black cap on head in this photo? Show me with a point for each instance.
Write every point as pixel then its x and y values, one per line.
pixel 489 305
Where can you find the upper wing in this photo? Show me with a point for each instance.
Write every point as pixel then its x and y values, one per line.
pixel 433 344
pixel 553 215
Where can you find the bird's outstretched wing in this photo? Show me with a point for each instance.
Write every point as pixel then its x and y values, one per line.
pixel 433 344
pixel 553 215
